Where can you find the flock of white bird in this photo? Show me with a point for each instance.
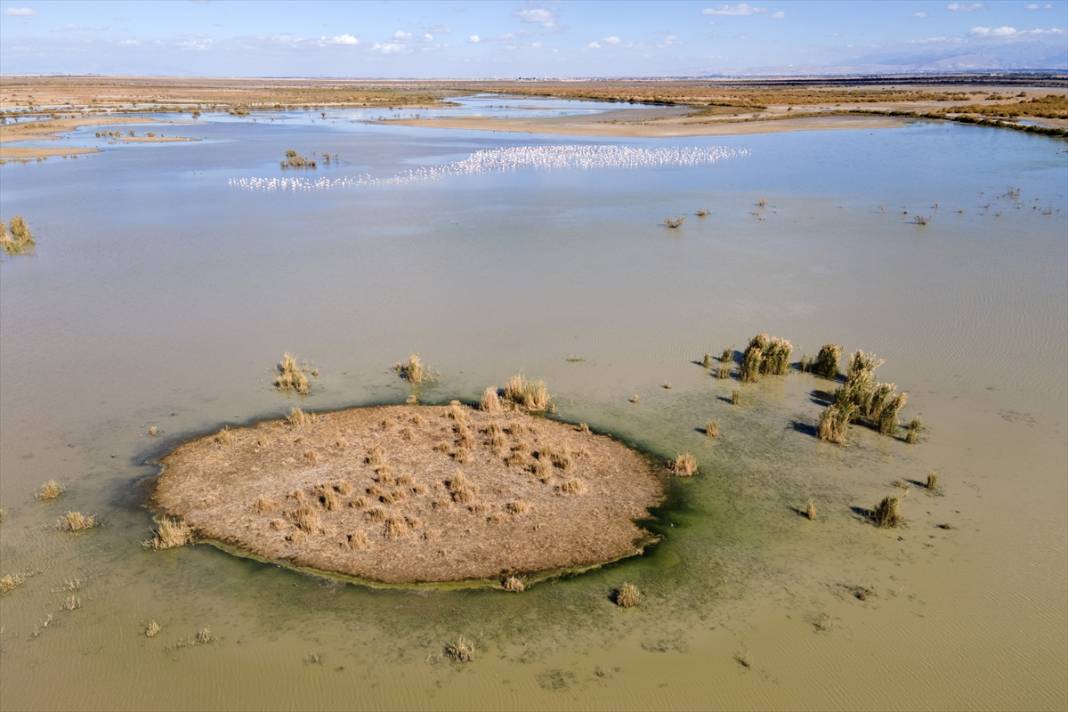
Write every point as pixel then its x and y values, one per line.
pixel 499 160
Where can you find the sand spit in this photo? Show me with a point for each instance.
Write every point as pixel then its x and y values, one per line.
pixel 652 123
pixel 415 494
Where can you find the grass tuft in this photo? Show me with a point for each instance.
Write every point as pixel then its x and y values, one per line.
pixel 528 395
pixel 152 629
pixel 491 402
pixel 9 582
pixel 684 465
pixel 810 510
pixel 827 361
pixel 627 596
pixel 169 534
pixel 887 513
pixel 915 428
pixel 712 430
pixel 50 490
pixel 932 482
pixel 18 239
pixel 514 584
pixel 76 521
pixel 291 377
pixel 460 650
pixel 412 370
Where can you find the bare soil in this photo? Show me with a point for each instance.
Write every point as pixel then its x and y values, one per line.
pixel 413 494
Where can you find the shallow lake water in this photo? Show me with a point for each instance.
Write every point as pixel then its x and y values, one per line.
pixel 159 294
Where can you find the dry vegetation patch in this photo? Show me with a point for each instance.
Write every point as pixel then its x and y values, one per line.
pixel 410 493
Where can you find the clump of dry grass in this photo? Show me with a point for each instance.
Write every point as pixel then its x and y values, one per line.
pixel 19 239
pixel 224 436
pixel 305 518
pixel 826 364
pixel 9 582
pixel 810 510
pixel 712 430
pixel 50 490
pixel 295 160
pixel 204 636
pixel 298 418
pixel 635 399
pixel 572 486
pixel 153 431
pixel 490 402
pixel 528 395
pixel 168 534
pixel 459 488
pixel 76 521
pixel 702 213
pixel 460 650
pixel 887 513
pixel 72 603
pixel 627 596
pixel 706 361
pixel 152 629
pixel 518 506
pixel 412 370
pixel 514 584
pixel 684 465
pixel 932 481
pixel 736 398
pixel 675 222
pixel 915 428
pixel 766 355
pixel 291 376
pixel 834 423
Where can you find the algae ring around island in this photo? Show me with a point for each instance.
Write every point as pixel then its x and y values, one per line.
pixel 415 494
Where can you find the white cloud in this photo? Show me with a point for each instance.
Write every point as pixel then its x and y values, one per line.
pixel 921 13
pixel 594 45
pixel 428 37
pixel 535 45
pixel 739 10
pixel 198 44
pixel 964 6
pixel 1006 31
pixel 611 41
pixel 389 47
pixel 778 15
pixel 1036 6
pixel 474 39
pixel 402 36
pixel 537 15
pixel 345 39
pixel 20 11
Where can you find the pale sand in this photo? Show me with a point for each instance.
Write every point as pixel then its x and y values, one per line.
pixel 650 123
pixel 155 139
pixel 30 153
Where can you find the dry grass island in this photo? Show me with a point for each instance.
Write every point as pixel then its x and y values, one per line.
pixel 407 494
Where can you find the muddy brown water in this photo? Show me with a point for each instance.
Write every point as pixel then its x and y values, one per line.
pixel 159 296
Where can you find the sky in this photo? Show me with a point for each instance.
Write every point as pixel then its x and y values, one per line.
pixel 489 39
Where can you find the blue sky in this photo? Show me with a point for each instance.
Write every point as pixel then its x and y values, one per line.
pixel 543 39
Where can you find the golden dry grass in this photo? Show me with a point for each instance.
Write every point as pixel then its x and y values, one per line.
pixel 169 533
pixel 827 361
pixel 684 465
pixel 50 490
pixel 712 430
pixel 514 584
pixel 491 402
pixel 810 510
pixel 152 629
pixel 412 369
pixel 16 239
pixel 460 650
pixel 291 376
pixel 76 521
pixel 528 395
pixel 9 582
pixel 627 596
pixel 887 513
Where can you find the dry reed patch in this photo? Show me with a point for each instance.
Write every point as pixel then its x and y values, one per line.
pixel 16 239
pixel 887 513
pixel 862 400
pixel 675 222
pixel 76 522
pixel 684 465
pixel 931 484
pixel 826 364
pixel 9 582
pixel 152 629
pixel 766 355
pixel 810 511
pixel 291 376
pixel 412 370
pixel 712 430
pixel 169 534
pixel 513 584
pixel 528 395
pixel 426 517
pixel 50 490
pixel 627 596
pixel 460 650
pixel 490 402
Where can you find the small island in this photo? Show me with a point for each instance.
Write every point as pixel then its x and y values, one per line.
pixel 409 494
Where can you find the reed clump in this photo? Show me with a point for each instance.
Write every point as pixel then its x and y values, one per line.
pixel 50 490
pixel 712 430
pixel 862 400
pixel 932 482
pixel 412 370
pixel 915 429
pixel 766 355
pixel 291 377
pixel 17 238
pixel 627 596
pixel 684 465
pixel 298 418
pixel 528 395
pixel 152 629
pixel 460 650
pixel 295 160
pixel 810 510
pixel 76 521
pixel 675 222
pixel 491 402
pixel 887 513
pixel 170 533
pixel 826 364
pixel 9 582
pixel 514 584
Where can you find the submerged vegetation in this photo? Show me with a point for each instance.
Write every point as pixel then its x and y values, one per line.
pixel 16 239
